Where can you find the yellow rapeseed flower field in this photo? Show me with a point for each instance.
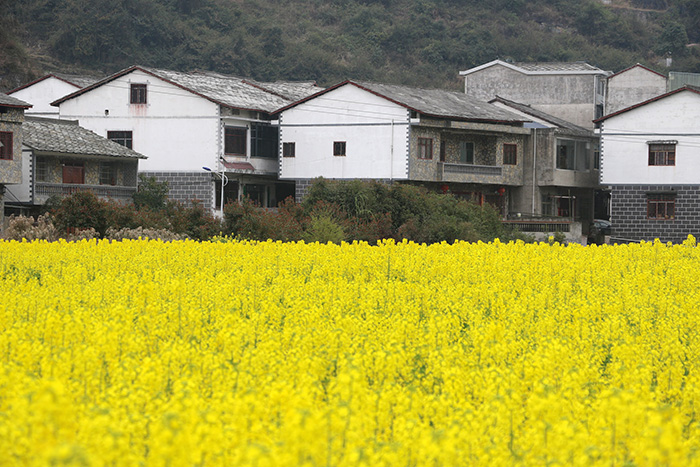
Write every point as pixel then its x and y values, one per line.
pixel 270 354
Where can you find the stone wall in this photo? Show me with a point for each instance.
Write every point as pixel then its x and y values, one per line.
pixel 11 170
pixel 629 213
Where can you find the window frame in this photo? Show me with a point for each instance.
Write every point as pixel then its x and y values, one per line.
pixel 658 205
pixel 264 140
pixel 236 141
pixel 580 161
pixel 661 155
pixel 7 138
pixel 340 148
pixel 110 170
pixel 123 137
pixel 138 93
pixel 466 152
pixel 41 170
pixel 510 158
pixel 289 149
pixel 425 148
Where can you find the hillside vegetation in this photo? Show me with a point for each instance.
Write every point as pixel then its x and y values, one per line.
pixel 415 42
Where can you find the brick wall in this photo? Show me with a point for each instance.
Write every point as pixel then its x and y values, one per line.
pixel 187 186
pixel 629 213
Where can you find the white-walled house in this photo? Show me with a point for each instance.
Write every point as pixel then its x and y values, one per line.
pixel 186 121
pixel 446 141
pixel 633 85
pixel 650 158
pixel 43 91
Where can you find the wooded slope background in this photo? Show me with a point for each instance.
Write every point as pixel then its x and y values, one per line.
pixel 416 42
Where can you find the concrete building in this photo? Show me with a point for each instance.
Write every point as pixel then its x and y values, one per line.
pixel 631 86
pixel 11 119
pixel 43 91
pixel 60 158
pixel 186 121
pixel 561 176
pixel 650 158
pixel 574 92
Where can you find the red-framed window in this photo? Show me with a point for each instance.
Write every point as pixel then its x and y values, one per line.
pixel 139 93
pixel 510 154
pixel 125 138
pixel 661 207
pixel 425 148
pixel 235 141
pixel 662 154
pixel 6 145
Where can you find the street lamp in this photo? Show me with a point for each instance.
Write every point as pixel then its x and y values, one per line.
pixel 224 182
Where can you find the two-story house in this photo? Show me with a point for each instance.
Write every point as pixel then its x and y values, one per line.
pixel 11 119
pixel 650 157
pixel 561 177
pixel 571 91
pixel 186 121
pixel 59 158
pixel 446 141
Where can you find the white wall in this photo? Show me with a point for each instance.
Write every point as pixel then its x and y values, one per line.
pixel 625 154
pixel 176 129
pixel 42 94
pixel 376 148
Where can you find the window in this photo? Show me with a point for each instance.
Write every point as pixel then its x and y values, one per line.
pixel 138 94
pixel 41 170
pixel 510 154
pixel 558 206
pixel 74 172
pixel 466 152
pixel 235 141
pixel 572 154
pixel 661 206
pixel 662 154
pixel 425 148
pixel 108 173
pixel 339 148
pixel 288 149
pixel 263 140
pixel 6 145
pixel 596 156
pixel 125 138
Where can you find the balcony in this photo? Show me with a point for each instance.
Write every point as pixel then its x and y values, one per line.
pixel 42 191
pixel 470 173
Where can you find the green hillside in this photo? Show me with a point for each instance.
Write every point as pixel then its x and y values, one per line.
pixel 416 42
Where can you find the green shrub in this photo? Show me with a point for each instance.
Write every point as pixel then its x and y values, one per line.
pixel 80 211
pixel 323 229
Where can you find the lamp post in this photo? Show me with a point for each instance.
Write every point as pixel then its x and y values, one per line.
pixel 224 182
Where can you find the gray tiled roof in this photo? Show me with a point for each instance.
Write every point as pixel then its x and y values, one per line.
pixel 12 101
pixel 439 103
pixel 556 66
pixel 81 81
pixel 67 137
pixel 238 92
pixel 544 116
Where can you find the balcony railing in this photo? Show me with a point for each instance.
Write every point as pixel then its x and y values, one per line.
pixel 449 168
pixel 66 189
